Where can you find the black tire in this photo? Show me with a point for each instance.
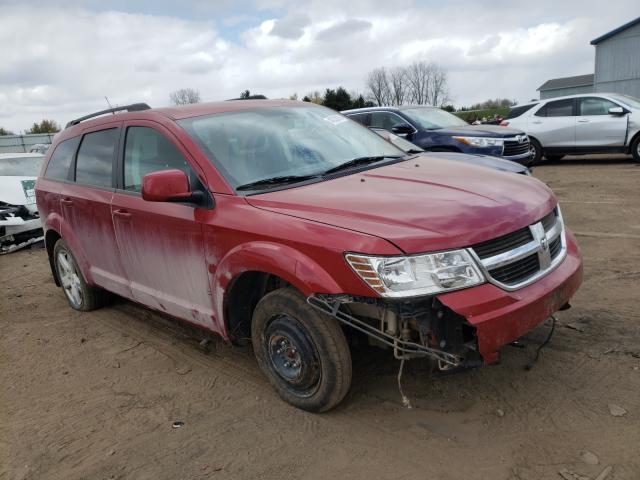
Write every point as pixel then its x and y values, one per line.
pixel 635 149
pixel 80 295
pixel 304 353
pixel 536 148
pixel 553 158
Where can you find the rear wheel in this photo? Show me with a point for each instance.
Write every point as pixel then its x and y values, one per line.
pixel 536 150
pixel 553 158
pixel 80 295
pixel 304 353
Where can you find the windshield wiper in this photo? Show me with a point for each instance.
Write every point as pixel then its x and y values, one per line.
pixel 357 162
pixel 415 150
pixel 268 182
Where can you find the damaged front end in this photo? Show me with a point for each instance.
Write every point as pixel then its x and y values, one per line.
pixel 19 227
pixel 413 328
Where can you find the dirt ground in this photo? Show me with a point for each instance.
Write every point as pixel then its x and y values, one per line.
pixel 94 395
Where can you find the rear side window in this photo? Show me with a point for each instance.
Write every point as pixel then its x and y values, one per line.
pixel 147 150
pixel 58 167
pixel 361 118
pixel 515 112
pixel 559 108
pixel 94 164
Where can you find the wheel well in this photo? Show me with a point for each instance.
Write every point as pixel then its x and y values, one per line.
pixel 50 239
pixel 633 139
pixel 243 294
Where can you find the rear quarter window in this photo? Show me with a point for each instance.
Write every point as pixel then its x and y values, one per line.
pixel 94 165
pixel 60 162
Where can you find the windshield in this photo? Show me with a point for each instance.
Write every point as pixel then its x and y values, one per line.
pixel 253 145
pixel 632 102
pixel 20 166
pixel 431 118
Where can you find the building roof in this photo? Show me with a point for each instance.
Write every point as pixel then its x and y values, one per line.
pixel 567 82
pixel 616 31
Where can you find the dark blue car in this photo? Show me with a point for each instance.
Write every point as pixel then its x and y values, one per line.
pixel 434 129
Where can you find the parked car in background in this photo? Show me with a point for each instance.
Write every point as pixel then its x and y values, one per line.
pixel 39 148
pixel 285 223
pixel 434 129
pixel 19 220
pixel 580 124
pixel 473 159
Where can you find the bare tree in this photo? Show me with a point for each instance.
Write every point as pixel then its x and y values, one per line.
pixel 419 78
pixel 438 86
pixel 185 96
pixel 398 87
pixel 378 86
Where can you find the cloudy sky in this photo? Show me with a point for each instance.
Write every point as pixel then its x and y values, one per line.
pixel 59 59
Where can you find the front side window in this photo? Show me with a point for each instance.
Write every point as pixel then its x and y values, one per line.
pixel 147 150
pixel 386 120
pixel 361 118
pixel 58 167
pixel 253 145
pixel 595 106
pixel 431 118
pixel 558 108
pixel 94 163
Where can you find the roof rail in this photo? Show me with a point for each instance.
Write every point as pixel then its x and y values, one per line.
pixel 134 107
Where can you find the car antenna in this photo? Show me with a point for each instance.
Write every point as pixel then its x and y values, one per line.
pixel 109 103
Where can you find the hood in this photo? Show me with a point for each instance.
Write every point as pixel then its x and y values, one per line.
pixel 420 205
pixel 483 160
pixel 491 131
pixel 18 190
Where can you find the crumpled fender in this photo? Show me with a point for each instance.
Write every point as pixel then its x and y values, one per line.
pixel 284 261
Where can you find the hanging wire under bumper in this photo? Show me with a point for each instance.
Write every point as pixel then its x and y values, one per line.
pixel 331 305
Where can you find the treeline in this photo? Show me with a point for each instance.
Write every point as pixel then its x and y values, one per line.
pixel 45 126
pixel 421 83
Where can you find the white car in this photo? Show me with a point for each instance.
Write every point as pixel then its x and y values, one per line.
pixel 580 124
pixel 20 224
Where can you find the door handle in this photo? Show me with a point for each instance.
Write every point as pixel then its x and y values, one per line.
pixel 123 214
pixel 537 123
pixel 583 121
pixel 66 201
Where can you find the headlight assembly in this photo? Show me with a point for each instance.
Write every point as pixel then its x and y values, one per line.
pixel 410 276
pixel 480 142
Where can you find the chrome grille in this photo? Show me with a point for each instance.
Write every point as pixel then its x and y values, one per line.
pixel 520 258
pixel 516 146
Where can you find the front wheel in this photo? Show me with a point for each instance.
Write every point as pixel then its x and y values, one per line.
pixel 536 151
pixel 304 353
pixel 635 149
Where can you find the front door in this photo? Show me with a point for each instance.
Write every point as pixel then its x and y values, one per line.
pixel 596 127
pixel 161 243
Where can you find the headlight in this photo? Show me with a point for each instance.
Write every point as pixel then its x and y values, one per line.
pixel 417 274
pixel 481 142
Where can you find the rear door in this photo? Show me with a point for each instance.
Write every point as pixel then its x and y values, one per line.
pixel 596 127
pixel 554 124
pixel 161 243
pixel 86 207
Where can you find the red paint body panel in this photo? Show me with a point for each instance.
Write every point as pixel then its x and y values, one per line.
pixel 502 317
pixel 420 209
pixel 181 259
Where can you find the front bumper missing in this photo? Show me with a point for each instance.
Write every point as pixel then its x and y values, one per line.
pixel 403 349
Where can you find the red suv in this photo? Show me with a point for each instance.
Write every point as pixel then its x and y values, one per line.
pixel 288 224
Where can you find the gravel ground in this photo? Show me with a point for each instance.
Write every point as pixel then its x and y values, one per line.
pixel 94 395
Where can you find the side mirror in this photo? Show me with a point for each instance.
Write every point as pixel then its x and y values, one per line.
pixel 402 129
pixel 617 111
pixel 166 186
